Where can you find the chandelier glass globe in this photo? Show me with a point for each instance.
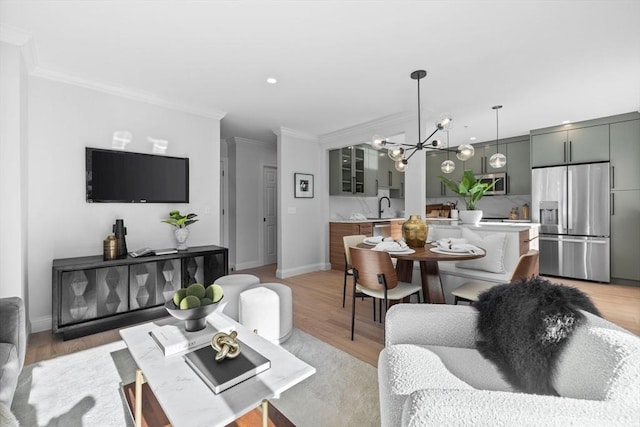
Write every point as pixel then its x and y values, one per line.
pixel 465 152
pixel 396 153
pixel 378 141
pixel 447 166
pixel 436 143
pixel 401 165
pixel 498 160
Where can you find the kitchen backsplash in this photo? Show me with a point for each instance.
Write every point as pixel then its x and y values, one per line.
pixel 342 207
pixel 492 206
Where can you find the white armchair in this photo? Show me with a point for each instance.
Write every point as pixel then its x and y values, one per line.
pixel 430 374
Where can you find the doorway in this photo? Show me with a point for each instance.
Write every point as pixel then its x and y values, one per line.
pixel 224 203
pixel 270 214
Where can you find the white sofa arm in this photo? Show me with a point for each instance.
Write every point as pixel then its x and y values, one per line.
pixel 437 407
pixel 431 324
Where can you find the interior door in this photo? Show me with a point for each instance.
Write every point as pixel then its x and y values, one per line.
pixel 270 214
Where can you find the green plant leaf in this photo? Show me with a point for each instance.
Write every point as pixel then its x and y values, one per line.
pixel 470 189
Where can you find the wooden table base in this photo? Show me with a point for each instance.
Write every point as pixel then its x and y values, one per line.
pixel 430 276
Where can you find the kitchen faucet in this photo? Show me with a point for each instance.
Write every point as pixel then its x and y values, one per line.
pixel 380 210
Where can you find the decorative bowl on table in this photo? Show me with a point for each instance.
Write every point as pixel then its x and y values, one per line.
pixel 195 318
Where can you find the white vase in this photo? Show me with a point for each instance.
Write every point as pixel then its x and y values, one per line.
pixel 470 217
pixel 182 234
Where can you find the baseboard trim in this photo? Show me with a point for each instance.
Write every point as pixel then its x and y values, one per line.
pixel 40 324
pixel 247 265
pixel 283 274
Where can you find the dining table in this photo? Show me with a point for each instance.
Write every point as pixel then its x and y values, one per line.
pixel 429 271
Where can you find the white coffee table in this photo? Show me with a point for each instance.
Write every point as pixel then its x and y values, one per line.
pixel 186 400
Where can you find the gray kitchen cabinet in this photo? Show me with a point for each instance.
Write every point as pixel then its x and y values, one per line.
pixel 625 235
pixel 383 174
pixel 625 200
pixel 548 149
pixel 387 174
pixel 579 145
pixel 479 163
pixel 347 171
pixel 625 154
pixel 518 167
pixel 435 187
pixel 370 172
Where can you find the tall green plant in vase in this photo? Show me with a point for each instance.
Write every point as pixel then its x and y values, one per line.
pixel 181 222
pixel 470 190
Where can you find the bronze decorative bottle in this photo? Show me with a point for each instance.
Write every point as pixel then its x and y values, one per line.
pixel 414 231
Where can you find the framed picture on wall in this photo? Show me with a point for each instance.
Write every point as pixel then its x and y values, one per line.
pixel 303 185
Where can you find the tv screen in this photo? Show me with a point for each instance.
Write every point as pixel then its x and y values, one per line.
pixel 124 177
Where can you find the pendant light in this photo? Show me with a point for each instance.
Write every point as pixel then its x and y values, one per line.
pixel 497 160
pixel 448 166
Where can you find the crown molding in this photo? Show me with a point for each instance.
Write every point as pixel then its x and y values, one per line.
pixel 14 36
pixel 283 131
pixel 395 122
pixel 262 144
pixel 124 92
pixel 24 41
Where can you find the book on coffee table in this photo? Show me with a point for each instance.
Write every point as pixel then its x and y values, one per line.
pixel 173 339
pixel 226 373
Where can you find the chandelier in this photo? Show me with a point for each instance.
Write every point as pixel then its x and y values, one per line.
pixel 402 152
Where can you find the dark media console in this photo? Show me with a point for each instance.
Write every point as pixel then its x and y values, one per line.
pixel 92 295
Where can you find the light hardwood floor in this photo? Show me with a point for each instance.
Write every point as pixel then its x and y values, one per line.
pixel 317 310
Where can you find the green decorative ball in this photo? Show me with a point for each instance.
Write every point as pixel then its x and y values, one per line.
pixel 196 290
pixel 214 292
pixel 206 301
pixel 190 301
pixel 178 296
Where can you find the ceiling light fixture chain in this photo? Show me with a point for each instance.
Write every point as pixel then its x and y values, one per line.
pixel 398 153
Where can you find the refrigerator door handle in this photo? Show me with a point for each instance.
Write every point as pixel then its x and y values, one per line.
pixel 570 202
pixel 590 241
pixel 613 203
pixel 613 177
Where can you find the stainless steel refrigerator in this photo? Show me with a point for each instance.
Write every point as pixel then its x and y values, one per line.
pixel 571 203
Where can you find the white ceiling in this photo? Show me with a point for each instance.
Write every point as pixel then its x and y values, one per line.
pixel 341 63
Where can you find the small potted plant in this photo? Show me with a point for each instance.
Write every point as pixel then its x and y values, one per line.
pixel 181 222
pixel 470 191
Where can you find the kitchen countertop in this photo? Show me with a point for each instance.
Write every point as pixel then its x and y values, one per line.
pixel 367 220
pixel 497 226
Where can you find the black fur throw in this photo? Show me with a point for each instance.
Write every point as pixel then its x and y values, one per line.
pixel 524 326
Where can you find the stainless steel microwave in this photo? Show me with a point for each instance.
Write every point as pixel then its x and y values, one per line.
pixel 501 185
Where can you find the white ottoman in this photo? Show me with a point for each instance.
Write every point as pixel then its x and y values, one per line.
pixel 233 285
pixel 268 309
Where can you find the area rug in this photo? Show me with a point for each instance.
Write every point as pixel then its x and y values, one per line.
pixel 82 389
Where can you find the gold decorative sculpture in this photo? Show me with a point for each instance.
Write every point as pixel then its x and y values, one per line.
pixel 225 345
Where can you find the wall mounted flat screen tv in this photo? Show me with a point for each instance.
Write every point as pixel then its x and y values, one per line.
pixel 124 177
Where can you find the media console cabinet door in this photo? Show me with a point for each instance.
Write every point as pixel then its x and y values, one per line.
pixel 93 293
pixel 169 279
pixel 142 285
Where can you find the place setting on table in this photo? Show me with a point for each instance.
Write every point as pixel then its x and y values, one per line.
pixel 455 246
pixel 387 244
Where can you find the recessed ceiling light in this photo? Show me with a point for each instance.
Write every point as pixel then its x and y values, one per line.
pixel 473 138
pixel 566 122
pixel 272 80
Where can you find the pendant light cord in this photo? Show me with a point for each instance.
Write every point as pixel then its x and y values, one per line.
pixel 419 122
